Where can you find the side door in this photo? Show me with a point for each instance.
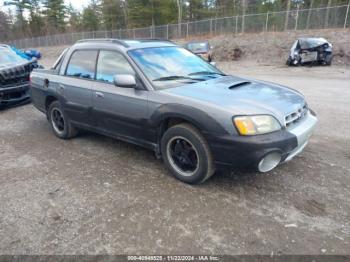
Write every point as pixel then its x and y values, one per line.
pixel 117 110
pixel 76 85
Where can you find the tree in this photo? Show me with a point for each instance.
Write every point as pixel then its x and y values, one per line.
pixel 309 13
pixel 74 19
pixel 90 19
pixel 286 20
pixel 36 21
pixel 143 13
pixel 4 26
pixel 55 12
pixel 329 3
pixel 20 5
pixel 244 8
pixel 179 13
pixel 196 10
pixel 113 16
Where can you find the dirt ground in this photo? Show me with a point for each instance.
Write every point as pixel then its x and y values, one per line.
pixel 271 48
pixel 95 195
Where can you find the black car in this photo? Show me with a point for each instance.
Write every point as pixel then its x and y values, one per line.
pixel 309 51
pixel 14 77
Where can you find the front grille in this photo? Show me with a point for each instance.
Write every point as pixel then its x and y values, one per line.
pixel 294 117
pixel 14 76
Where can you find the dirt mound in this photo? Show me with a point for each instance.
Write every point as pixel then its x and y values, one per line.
pixel 269 48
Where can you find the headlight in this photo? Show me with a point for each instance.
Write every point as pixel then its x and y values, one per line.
pixel 254 125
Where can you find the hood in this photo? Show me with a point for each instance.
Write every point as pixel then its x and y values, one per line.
pixel 308 43
pixel 242 96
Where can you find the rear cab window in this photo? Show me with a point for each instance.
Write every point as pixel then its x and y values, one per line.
pixel 82 64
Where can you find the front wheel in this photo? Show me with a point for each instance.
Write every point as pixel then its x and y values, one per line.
pixel 187 154
pixel 329 59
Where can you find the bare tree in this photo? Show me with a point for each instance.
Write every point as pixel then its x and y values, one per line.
pixel 125 12
pixel 309 14
pixel 244 9
pixel 179 14
pixel 286 20
pixel 329 3
pixel 20 5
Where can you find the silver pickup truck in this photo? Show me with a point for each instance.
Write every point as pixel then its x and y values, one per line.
pixel 161 96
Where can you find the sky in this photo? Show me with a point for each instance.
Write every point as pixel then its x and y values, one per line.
pixel 78 4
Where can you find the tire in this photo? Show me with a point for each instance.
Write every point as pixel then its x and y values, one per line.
pixel 59 121
pixel 289 61
pixel 328 59
pixel 186 154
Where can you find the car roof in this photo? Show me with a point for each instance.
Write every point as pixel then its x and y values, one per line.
pixel 125 44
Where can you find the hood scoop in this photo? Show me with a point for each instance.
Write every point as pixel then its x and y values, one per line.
pixel 238 84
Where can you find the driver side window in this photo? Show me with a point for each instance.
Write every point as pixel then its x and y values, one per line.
pixel 111 63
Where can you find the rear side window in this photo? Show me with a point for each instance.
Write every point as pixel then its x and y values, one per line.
pixel 82 64
pixel 111 63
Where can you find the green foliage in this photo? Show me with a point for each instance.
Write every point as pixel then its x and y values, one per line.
pixel 142 13
pixel 112 14
pixel 90 19
pixel 55 12
pixel 74 19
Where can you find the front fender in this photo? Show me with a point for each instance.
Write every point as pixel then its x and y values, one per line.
pixel 200 119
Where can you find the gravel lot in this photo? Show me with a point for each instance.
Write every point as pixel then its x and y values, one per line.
pixel 95 195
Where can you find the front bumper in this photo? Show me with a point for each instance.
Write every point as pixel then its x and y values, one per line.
pixel 248 151
pixel 15 94
pixel 303 132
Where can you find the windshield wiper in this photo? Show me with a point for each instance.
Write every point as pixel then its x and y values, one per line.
pixel 206 73
pixel 169 78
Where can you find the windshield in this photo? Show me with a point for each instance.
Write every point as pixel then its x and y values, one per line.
pixel 7 56
pixel 173 66
pixel 198 47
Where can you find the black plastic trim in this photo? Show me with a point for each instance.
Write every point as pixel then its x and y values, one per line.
pixel 247 151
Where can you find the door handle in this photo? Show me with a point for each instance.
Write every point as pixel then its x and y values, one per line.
pixel 46 83
pixel 61 87
pixel 99 94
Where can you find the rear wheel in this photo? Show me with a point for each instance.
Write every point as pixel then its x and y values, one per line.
pixel 60 124
pixel 187 154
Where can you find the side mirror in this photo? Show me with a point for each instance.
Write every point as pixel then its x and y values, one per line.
pixel 127 81
pixel 213 64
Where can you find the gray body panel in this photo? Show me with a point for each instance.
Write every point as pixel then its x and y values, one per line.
pixel 120 111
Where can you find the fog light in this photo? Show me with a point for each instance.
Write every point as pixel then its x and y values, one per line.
pixel 269 162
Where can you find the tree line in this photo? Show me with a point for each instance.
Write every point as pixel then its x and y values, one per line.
pixel 31 18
